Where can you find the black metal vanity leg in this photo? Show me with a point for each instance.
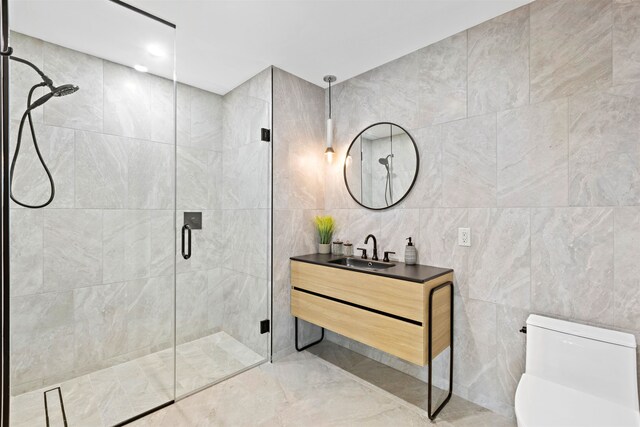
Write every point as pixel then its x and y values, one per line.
pixel 433 415
pixel 308 345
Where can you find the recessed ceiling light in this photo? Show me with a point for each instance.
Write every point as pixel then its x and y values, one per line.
pixel 155 50
pixel 141 68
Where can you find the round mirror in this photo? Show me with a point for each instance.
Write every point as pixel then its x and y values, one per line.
pixel 381 166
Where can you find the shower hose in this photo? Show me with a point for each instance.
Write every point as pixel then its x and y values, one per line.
pixel 27 117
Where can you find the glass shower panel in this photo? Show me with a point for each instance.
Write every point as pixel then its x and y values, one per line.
pixel 93 272
pixel 222 285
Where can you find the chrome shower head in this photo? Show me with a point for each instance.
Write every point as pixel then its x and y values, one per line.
pixel 64 90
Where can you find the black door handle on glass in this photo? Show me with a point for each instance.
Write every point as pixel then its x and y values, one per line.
pixel 186 254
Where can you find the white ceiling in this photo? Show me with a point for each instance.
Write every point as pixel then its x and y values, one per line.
pixel 220 44
pixel 96 27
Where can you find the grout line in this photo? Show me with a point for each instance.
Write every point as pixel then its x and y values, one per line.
pixel 103 94
pixel 467 74
pixel 496 153
pixel 529 53
pixel 568 135
pixel 42 285
pixel 530 261
pixel 102 245
pixel 615 315
pixel 611 34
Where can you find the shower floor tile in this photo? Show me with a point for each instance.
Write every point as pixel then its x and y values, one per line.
pixel 111 395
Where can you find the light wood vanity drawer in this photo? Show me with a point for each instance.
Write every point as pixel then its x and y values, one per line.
pixel 398 297
pixel 397 337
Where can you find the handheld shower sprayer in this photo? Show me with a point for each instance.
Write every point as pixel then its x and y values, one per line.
pixel 58 91
pixel 384 161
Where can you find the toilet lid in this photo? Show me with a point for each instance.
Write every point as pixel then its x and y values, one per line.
pixel 541 403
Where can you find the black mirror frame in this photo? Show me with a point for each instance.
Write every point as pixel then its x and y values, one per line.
pixel 415 177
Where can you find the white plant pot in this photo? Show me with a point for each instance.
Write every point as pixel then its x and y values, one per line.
pixel 324 248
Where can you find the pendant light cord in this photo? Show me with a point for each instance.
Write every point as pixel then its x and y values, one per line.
pixel 329 98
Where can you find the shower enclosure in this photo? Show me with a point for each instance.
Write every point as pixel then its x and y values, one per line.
pixel 139 267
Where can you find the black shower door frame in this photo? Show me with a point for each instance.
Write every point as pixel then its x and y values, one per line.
pixel 5 53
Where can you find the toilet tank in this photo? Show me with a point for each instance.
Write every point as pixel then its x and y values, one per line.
pixel 597 361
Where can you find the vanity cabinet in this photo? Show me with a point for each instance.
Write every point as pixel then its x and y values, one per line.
pixel 390 313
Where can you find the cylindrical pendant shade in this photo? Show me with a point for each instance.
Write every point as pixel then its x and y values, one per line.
pixel 328 153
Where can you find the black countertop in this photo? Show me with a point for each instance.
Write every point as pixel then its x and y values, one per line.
pixel 414 273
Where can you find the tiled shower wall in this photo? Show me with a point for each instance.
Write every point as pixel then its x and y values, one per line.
pixel 246 218
pixel 223 171
pixel 527 127
pixel 199 179
pixel 92 274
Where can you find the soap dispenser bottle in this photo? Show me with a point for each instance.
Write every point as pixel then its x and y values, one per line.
pixel 410 253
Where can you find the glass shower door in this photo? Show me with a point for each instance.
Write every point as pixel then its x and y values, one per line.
pixel 224 210
pixel 93 272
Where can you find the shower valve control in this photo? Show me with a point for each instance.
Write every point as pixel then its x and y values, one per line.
pixel 193 220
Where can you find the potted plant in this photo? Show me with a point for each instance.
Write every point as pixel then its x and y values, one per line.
pixel 325 226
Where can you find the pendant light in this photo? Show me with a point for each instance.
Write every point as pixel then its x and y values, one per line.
pixel 328 153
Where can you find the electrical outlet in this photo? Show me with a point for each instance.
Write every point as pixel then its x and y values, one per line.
pixel 464 237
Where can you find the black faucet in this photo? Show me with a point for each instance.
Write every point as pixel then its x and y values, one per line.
pixel 375 246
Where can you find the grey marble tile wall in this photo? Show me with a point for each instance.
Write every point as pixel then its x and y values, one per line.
pixel 199 299
pixel 527 131
pixel 298 173
pixel 245 224
pixel 92 274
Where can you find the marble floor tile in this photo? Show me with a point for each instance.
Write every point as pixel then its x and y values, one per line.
pixel 333 386
pixel 26 409
pixel 81 404
pixel 304 389
pixel 243 354
pixel 113 405
pixel 111 395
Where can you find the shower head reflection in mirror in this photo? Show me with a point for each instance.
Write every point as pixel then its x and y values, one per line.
pixel 54 91
pixel 381 166
pixel 388 186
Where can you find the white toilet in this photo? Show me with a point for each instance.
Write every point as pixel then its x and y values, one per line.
pixel 577 376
